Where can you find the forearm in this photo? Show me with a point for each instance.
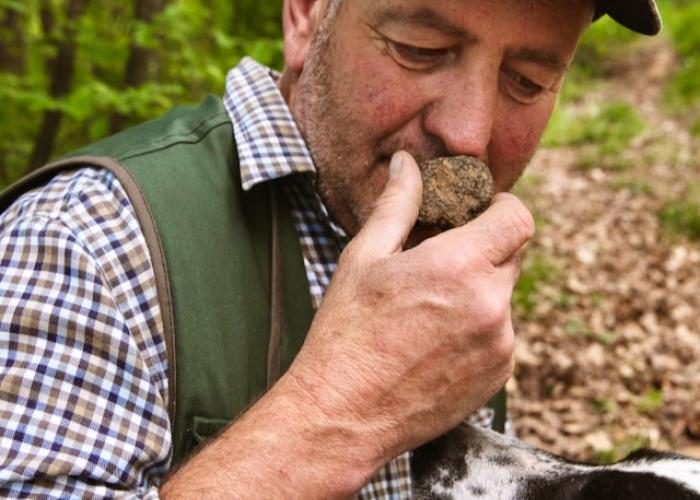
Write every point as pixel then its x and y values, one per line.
pixel 404 346
pixel 282 447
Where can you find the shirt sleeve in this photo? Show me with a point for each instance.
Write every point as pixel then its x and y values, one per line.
pixel 83 384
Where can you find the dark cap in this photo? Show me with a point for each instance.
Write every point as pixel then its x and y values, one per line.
pixel 641 16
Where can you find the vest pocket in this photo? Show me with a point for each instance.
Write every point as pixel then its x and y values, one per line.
pixel 204 428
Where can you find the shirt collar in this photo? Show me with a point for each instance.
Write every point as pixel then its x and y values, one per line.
pixel 269 143
pixel 268 140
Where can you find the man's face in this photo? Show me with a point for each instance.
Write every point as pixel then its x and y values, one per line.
pixel 434 78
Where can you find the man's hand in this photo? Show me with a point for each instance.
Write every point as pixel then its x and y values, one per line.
pixel 407 343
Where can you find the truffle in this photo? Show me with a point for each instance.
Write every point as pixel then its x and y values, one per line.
pixel 455 190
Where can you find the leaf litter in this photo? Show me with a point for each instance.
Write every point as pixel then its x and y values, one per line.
pixel 608 350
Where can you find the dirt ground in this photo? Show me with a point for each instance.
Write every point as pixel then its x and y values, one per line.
pixel 609 359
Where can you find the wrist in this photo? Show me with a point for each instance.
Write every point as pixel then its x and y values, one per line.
pixel 325 436
pixel 284 446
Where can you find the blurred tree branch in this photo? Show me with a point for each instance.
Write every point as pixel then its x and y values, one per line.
pixel 73 71
pixel 140 57
pixel 12 41
pixel 62 70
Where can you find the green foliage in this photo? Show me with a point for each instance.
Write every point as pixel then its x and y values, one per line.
pixel 609 130
pixel 537 270
pixel 682 216
pixel 604 41
pixel 681 21
pixel 604 406
pixel 566 300
pixel 637 186
pixel 695 128
pixel 575 327
pixel 684 87
pixel 651 400
pixel 579 121
pixel 606 338
pixel 604 47
pixel 612 127
pixel 193 44
pixel 621 449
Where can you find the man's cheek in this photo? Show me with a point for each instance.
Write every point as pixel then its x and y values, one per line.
pixel 520 135
pixel 512 147
pixel 383 96
pixel 386 103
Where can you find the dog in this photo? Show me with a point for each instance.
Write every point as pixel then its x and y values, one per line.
pixel 471 462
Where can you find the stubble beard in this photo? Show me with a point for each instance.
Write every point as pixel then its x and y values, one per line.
pixel 327 127
pixel 344 157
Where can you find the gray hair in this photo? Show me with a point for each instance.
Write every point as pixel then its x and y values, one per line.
pixel 328 18
pixel 333 8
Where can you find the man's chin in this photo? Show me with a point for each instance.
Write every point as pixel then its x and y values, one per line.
pixel 420 233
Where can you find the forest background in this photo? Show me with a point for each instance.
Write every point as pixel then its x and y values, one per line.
pixel 607 307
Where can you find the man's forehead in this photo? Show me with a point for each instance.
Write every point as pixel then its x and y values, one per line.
pixel 422 14
pixel 397 8
pixel 462 19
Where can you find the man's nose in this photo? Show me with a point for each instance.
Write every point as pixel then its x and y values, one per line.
pixel 462 114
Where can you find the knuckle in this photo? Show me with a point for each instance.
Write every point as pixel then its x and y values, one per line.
pixel 493 313
pixel 445 266
pixel 506 371
pixel 503 356
pixel 348 254
pixel 453 267
pixel 504 347
pixel 463 265
pixel 523 223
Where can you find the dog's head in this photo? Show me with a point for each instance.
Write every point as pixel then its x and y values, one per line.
pixel 474 463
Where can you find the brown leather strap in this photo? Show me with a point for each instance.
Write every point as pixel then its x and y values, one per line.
pixel 276 296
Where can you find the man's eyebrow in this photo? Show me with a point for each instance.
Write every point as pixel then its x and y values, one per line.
pixel 539 56
pixel 423 17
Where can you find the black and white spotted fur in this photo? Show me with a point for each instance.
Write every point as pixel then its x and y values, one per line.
pixel 470 462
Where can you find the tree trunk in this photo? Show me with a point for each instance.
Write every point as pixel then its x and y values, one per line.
pixel 13 59
pixel 62 70
pixel 12 43
pixel 140 58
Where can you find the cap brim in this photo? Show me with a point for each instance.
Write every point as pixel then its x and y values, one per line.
pixel 641 16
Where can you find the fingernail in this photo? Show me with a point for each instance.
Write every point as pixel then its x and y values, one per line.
pixel 395 165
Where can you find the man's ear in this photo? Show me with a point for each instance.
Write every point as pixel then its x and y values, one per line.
pixel 300 19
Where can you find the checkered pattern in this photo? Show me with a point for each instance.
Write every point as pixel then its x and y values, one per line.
pixel 83 387
pixel 83 367
pixel 270 146
pixel 267 139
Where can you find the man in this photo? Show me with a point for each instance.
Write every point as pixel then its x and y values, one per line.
pixel 413 334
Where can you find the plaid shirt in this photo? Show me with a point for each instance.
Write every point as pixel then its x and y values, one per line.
pixel 270 146
pixel 83 367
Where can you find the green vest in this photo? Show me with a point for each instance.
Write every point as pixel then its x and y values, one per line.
pixel 229 270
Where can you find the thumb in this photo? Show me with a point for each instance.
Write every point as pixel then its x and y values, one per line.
pixel 396 210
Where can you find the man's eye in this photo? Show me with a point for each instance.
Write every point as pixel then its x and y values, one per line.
pixel 522 88
pixel 418 58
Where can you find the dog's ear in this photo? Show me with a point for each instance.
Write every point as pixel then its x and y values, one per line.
pixel 444 453
pixel 647 454
pixel 607 485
